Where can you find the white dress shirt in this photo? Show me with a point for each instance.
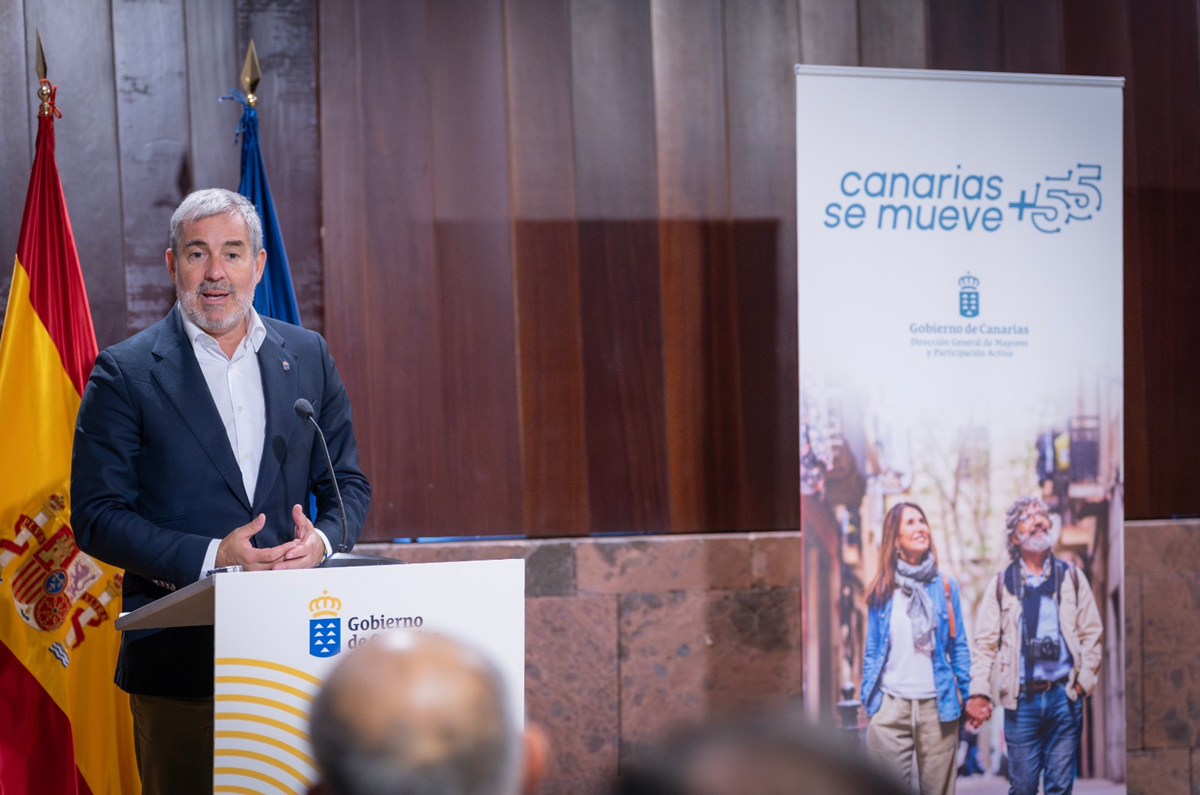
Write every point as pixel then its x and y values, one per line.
pixel 235 383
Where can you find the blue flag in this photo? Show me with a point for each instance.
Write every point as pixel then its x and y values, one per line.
pixel 274 296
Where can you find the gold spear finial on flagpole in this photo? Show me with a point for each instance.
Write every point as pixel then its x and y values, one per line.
pixel 40 63
pixel 251 74
pixel 44 92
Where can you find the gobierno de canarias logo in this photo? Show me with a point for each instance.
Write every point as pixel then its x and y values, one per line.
pixel 968 295
pixel 324 628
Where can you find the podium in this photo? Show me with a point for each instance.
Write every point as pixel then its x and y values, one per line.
pixel 279 633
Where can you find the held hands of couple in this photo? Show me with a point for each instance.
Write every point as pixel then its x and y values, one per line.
pixel 303 552
pixel 979 709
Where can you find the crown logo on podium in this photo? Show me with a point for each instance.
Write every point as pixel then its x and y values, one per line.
pixel 968 295
pixel 325 606
pixel 325 628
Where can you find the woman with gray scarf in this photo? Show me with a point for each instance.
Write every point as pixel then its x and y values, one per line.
pixel 917 661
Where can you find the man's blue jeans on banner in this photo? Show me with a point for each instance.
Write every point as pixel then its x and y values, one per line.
pixel 1043 736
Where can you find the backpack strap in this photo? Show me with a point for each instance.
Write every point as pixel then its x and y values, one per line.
pixel 949 606
pixel 1074 570
pixel 1000 604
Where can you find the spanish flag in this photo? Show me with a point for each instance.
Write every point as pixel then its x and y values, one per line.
pixel 64 726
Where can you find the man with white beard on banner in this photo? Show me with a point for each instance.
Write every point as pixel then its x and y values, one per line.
pixel 1037 647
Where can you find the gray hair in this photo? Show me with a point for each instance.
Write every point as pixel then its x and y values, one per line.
pixel 757 752
pixel 1013 518
pixel 216 201
pixel 395 758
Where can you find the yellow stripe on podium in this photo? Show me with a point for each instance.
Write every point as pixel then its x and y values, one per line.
pixel 273 666
pixel 267 683
pixel 252 718
pixel 262 738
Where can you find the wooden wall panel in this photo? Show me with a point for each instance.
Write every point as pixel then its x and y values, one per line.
pixel 554 440
pixel 700 303
pixel 612 76
pixel 760 48
pixel 214 67
pixel 699 291
pixel 1096 41
pixel 760 44
pixel 623 375
pixel 1032 34
pixel 689 105
pixel 1166 124
pixel 78 39
pixel 385 286
pixel 18 88
pixel 828 28
pixel 474 255
pixel 470 137
pixel 616 200
pixel 343 186
pixel 152 124
pixel 965 36
pixel 546 268
pixel 402 292
pixel 892 33
pixel 540 125
pixel 285 36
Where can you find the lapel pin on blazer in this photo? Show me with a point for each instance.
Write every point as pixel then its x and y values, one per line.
pixel 286 366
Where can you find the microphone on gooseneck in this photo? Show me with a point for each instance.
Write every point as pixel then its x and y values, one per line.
pixel 304 410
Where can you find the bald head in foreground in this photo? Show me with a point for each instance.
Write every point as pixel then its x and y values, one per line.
pixel 766 754
pixel 414 713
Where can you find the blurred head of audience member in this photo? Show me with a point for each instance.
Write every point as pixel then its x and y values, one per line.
pixel 413 713
pixel 773 753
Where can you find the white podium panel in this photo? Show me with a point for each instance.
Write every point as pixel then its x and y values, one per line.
pixel 279 633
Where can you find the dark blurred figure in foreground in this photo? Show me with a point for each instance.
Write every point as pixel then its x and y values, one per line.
pixel 763 754
pixel 411 713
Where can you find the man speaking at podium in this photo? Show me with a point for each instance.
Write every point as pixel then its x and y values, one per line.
pixel 189 456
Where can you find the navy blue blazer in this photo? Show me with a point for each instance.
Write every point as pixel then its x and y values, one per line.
pixel 154 479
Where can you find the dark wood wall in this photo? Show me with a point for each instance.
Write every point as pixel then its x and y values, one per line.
pixel 551 242
pixel 138 87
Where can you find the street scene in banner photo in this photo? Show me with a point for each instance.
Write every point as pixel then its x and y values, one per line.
pixel 961 404
pixel 865 452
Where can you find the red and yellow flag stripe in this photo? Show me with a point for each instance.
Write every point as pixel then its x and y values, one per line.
pixel 68 727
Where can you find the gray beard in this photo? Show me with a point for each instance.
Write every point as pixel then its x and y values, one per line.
pixel 1040 543
pixel 190 304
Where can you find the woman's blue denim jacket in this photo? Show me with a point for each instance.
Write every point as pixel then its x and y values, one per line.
pixel 951 658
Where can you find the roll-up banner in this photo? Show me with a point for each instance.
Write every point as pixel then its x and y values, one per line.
pixel 960 309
